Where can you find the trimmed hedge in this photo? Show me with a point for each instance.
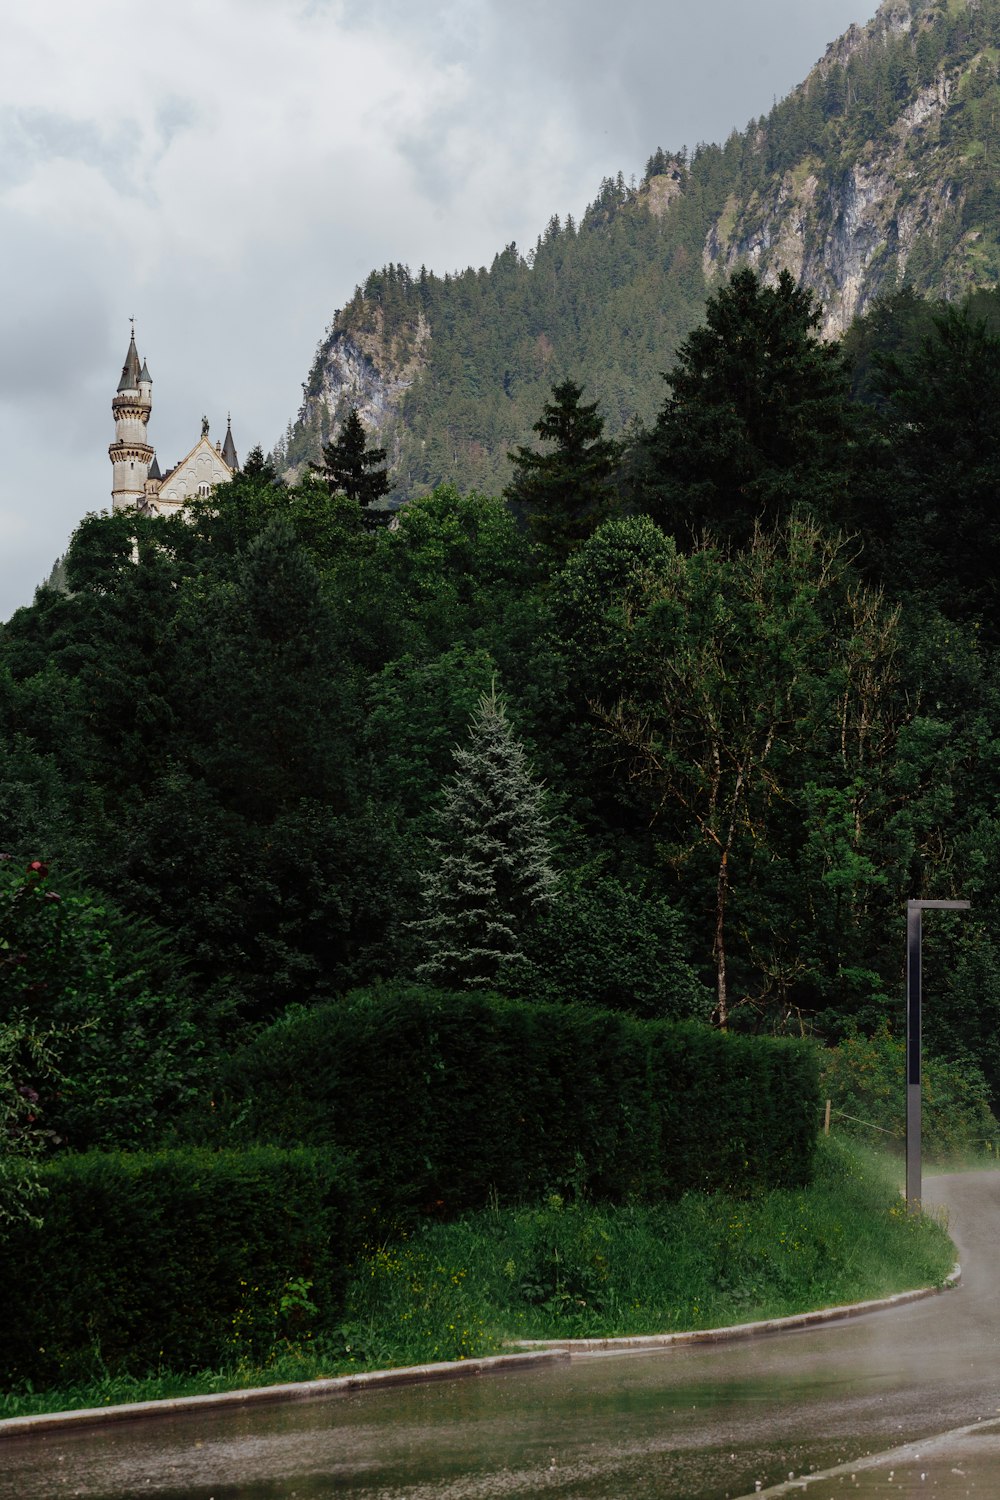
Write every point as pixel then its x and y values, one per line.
pixel 178 1259
pixel 447 1101
pixel 735 1112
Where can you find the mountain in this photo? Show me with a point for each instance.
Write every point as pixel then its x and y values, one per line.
pixel 878 171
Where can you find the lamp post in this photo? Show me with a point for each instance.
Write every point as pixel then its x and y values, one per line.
pixel 914 911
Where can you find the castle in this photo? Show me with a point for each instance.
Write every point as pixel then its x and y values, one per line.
pixel 138 483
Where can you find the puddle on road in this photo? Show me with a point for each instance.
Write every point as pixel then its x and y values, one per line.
pixel 635 1425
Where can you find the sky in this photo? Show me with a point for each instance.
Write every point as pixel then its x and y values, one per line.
pixel 227 171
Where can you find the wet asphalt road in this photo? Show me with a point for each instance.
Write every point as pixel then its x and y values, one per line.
pixel 902 1402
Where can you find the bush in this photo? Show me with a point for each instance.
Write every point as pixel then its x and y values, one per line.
pixel 181 1260
pixel 737 1112
pixel 449 1101
pixel 865 1080
pixel 128 1054
pixel 603 943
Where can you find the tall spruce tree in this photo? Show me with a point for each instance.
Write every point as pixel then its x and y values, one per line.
pixel 568 491
pixel 350 467
pixel 757 423
pixel 493 870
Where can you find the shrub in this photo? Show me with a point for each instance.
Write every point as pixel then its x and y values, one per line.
pixel 737 1112
pixel 127 1053
pixel 181 1259
pixel 865 1080
pixel 604 943
pixel 449 1101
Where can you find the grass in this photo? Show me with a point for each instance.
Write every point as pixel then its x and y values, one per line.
pixel 563 1269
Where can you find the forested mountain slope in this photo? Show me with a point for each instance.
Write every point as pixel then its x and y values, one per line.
pixel 879 170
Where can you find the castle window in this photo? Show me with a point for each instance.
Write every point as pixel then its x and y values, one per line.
pixel 204 489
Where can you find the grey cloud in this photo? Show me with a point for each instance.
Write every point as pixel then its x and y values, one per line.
pixel 669 74
pixel 626 80
pixel 53 320
pixel 31 136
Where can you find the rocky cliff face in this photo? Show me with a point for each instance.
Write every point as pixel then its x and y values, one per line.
pixel 849 228
pixel 851 238
pixel 358 366
pixel 879 169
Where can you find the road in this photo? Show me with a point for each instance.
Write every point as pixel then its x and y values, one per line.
pixel 866 1406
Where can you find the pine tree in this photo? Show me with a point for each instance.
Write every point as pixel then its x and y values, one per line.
pixel 493 870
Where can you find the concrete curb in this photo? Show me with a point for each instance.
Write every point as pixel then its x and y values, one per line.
pixel 743 1330
pixel 529 1353
pixel 304 1390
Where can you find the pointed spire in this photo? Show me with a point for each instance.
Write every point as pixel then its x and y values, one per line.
pixel 130 369
pixel 154 469
pixel 229 447
pixel 144 374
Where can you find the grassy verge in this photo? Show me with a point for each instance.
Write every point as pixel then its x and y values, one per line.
pixel 457 1291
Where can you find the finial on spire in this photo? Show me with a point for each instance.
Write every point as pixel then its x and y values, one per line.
pixel 130 369
pixel 229 447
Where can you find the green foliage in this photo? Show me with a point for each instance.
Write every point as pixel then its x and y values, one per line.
pixel 940 468
pixel 128 1055
pixel 566 491
pixel 569 1269
pixel 753 1098
pixel 26 1060
pixel 612 295
pixel 179 1260
pixel 447 1100
pixel 606 944
pixel 728 689
pixel 865 1079
pixel 352 468
pixel 456 564
pixel 417 710
pixel 565 1268
pixel 756 421
pixel 492 873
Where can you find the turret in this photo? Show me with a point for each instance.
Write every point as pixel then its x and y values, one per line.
pixel 130 453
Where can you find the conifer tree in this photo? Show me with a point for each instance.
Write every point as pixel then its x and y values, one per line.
pixel 757 422
pixel 566 492
pixel 353 469
pixel 493 870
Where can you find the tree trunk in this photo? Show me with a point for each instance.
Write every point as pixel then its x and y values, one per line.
pixel 721 1013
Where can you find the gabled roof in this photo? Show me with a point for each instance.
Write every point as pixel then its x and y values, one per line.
pixel 130 369
pixel 203 445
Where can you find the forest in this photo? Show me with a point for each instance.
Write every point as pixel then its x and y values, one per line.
pixel 672 727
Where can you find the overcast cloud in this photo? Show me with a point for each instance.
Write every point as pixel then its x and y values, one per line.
pixel 228 170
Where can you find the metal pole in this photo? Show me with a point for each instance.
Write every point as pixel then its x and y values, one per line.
pixel 914 910
pixel 913 936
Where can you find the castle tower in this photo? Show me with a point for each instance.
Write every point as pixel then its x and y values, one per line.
pixel 130 453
